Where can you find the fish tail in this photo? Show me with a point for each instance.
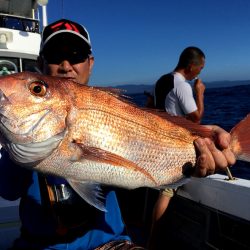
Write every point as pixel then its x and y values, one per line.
pixel 240 139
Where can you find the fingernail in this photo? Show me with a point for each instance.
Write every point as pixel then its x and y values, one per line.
pixel 208 141
pixel 199 142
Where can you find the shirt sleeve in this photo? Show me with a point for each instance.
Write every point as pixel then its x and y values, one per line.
pixel 186 98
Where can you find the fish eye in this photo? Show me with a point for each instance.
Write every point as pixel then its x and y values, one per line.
pixel 38 88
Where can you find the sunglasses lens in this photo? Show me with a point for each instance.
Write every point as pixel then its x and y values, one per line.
pixel 71 55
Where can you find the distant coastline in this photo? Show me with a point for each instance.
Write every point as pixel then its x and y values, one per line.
pixel 140 88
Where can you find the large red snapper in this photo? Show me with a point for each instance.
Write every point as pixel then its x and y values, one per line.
pixel 90 136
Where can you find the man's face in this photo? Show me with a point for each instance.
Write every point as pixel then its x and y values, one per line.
pixel 79 72
pixel 69 62
pixel 196 69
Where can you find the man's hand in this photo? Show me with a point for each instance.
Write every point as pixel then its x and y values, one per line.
pixel 215 155
pixel 199 87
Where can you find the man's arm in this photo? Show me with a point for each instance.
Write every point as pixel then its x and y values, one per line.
pixel 199 89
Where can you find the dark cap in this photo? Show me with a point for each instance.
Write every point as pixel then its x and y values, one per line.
pixel 65 31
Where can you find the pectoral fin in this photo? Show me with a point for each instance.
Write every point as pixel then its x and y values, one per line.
pixel 99 155
pixel 90 192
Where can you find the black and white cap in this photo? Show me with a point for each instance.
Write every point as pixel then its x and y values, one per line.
pixel 65 31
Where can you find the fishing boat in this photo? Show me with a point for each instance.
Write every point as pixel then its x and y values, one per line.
pixel 19 47
pixel 206 213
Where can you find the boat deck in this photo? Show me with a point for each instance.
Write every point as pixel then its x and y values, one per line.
pixel 206 214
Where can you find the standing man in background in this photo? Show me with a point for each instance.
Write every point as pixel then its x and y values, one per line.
pixel 174 94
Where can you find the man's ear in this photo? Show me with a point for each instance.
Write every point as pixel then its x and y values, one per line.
pixel 91 63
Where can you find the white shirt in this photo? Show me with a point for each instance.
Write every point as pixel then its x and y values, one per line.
pixel 180 100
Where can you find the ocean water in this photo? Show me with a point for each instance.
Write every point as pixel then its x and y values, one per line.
pixel 224 107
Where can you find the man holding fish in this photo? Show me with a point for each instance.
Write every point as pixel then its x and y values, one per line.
pixel 53 216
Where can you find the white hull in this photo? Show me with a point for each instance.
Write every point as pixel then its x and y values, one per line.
pixel 216 191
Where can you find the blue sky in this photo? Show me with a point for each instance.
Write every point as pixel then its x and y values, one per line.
pixel 136 41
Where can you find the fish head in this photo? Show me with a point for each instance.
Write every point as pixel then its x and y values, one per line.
pixel 33 110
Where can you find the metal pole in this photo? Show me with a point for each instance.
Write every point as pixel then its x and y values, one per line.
pixel 45 19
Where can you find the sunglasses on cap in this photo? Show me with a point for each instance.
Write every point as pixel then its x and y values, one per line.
pixel 73 56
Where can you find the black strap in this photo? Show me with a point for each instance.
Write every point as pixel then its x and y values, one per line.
pixel 162 87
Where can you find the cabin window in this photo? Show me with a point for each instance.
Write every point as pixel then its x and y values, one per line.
pixel 13 23
pixel 10 65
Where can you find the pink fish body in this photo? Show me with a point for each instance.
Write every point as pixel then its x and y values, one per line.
pixel 90 136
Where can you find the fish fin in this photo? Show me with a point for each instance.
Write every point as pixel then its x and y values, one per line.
pixel 111 90
pixel 194 128
pixel 240 139
pixel 90 192
pixel 176 184
pixel 120 94
pixel 100 155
